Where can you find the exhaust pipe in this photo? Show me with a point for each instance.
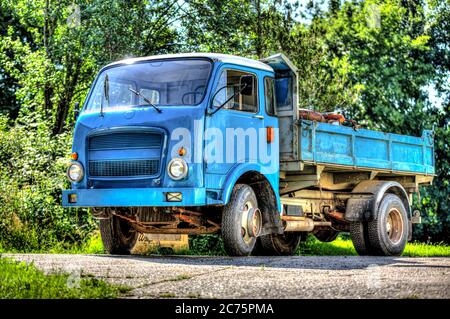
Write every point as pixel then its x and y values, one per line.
pixel 300 224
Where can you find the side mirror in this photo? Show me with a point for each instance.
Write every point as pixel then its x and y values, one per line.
pixel 76 110
pixel 246 83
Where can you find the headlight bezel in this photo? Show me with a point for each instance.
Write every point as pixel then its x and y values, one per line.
pixel 185 168
pixel 81 168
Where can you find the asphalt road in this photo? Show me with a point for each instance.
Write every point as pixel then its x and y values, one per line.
pixel 259 277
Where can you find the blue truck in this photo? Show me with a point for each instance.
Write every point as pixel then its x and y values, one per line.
pixel 205 143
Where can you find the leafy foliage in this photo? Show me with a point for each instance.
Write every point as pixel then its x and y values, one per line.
pixel 31 179
pixel 206 245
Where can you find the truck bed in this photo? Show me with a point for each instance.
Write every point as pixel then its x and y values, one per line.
pixel 328 144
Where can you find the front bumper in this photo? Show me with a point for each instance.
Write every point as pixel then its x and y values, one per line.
pixel 131 197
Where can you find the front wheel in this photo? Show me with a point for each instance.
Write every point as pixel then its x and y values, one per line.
pixel 278 245
pixel 241 211
pixel 118 235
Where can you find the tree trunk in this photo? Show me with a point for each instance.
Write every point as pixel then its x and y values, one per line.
pixel 48 89
pixel 258 30
pixel 72 75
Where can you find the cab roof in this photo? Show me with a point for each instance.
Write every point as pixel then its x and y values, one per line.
pixel 216 57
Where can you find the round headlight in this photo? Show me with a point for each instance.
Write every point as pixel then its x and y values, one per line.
pixel 75 172
pixel 177 168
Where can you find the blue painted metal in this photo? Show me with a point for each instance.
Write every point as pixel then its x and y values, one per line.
pixel 116 197
pixel 223 176
pixel 340 145
pixel 206 183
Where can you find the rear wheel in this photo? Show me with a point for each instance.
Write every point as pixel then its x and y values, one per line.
pixel 118 235
pixel 241 221
pixel 388 232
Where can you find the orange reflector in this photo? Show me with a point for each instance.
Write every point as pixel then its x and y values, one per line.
pixel 270 134
pixel 74 156
pixel 182 151
pixel 72 198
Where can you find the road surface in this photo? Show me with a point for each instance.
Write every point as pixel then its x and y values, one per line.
pixel 259 277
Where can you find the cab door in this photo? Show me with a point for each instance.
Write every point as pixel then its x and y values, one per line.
pixel 233 132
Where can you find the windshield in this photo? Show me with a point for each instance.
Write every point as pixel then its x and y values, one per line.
pixel 163 82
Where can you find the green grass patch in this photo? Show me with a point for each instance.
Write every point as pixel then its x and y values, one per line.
pixel 417 249
pixel 344 247
pixel 19 280
pixel 92 245
pixel 212 245
pixel 314 247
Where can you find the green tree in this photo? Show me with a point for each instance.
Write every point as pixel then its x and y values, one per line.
pixel 55 63
pixel 435 200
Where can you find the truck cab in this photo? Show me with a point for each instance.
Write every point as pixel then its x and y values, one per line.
pixel 206 143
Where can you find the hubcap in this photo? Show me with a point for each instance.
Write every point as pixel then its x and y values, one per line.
pixel 256 222
pixel 394 225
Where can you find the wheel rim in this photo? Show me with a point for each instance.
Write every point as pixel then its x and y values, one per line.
pixel 244 223
pixel 394 226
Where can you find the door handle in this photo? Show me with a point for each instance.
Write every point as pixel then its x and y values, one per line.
pixel 258 117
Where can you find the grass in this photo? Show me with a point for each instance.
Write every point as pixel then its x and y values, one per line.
pixel 344 247
pixel 19 280
pixel 314 247
pixel 182 277
pixel 93 245
pixel 426 250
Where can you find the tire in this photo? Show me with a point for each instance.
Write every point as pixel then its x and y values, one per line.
pixel 236 241
pixel 117 235
pixel 388 232
pixel 360 239
pixel 278 245
pixel 326 236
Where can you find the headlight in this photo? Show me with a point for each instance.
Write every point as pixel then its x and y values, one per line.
pixel 177 168
pixel 75 172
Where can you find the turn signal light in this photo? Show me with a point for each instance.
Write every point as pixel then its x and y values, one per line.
pixel 182 151
pixel 270 134
pixel 74 156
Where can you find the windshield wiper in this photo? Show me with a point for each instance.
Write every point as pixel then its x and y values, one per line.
pixel 145 99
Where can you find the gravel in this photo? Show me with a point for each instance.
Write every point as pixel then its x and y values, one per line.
pixel 259 277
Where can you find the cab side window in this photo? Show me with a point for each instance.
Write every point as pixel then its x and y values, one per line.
pixel 269 94
pixel 232 82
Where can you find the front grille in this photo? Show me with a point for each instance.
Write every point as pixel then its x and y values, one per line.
pixel 118 141
pixel 123 168
pixel 125 154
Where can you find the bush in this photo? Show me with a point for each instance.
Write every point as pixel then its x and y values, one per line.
pixel 32 175
pixel 206 245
